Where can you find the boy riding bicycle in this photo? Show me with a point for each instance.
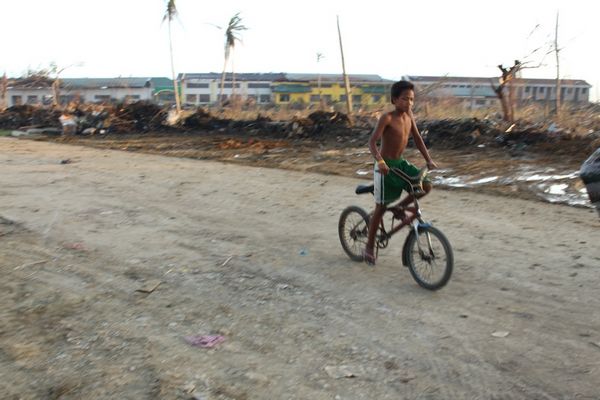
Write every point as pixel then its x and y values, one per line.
pixel 394 129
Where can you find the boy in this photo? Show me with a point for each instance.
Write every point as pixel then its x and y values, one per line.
pixel 394 129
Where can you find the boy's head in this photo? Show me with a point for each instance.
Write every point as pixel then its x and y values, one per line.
pixel 403 95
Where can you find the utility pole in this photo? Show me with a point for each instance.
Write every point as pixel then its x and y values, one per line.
pixel 319 56
pixel 346 81
pixel 556 51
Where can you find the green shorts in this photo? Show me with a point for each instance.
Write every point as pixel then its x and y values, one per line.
pixel 388 188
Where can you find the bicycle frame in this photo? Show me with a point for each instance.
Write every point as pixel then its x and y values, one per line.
pixel 414 210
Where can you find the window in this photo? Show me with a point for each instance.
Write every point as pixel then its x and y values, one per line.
pixel 376 98
pixel 32 99
pixel 325 85
pixel 194 85
pixel 265 98
pixel 357 98
pixel 314 98
pixel 16 100
pixel 527 89
pixel 480 102
pixel 542 90
pixel 230 85
pixel 204 98
pixel 259 85
pixel 284 98
pixel 191 98
pixel 327 98
pixel 583 90
pixel 102 97
pixel 570 90
pixel 343 97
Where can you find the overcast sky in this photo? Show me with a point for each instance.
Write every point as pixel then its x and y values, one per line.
pixel 112 38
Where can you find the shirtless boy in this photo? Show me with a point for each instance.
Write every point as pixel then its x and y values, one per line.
pixel 394 129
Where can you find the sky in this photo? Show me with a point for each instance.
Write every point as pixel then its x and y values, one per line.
pixel 111 38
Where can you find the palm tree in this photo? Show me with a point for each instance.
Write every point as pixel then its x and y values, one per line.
pixel 170 14
pixel 231 36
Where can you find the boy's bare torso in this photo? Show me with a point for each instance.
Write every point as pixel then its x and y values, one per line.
pixel 395 135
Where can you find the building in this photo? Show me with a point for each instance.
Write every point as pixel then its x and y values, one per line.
pixel 205 88
pixel 283 88
pixel 479 92
pixel 85 90
pixel 312 88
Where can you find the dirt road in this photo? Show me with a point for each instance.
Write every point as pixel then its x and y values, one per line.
pixel 252 254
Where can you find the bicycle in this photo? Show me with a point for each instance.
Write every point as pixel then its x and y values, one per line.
pixel 426 252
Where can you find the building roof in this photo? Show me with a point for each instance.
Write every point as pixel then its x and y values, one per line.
pixel 92 83
pixel 327 78
pixel 483 80
pixel 254 77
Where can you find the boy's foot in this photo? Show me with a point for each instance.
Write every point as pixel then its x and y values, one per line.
pixel 399 213
pixel 368 257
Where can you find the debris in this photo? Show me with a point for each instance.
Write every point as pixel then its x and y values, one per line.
pixel 205 341
pixel 500 334
pixel 31 264
pixel 75 246
pixel 226 261
pixel 150 286
pixel 341 371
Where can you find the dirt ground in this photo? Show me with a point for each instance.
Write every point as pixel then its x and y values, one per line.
pixel 252 254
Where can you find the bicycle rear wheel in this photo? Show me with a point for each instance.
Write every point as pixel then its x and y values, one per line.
pixel 353 229
pixel 430 258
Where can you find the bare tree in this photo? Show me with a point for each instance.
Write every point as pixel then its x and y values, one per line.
pixel 506 79
pixel 234 27
pixel 170 14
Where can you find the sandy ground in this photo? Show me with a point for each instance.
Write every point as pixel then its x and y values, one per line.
pixel 252 254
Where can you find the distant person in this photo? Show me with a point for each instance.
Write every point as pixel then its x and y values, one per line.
pixel 394 129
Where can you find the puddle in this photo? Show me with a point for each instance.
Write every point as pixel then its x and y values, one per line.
pixel 553 186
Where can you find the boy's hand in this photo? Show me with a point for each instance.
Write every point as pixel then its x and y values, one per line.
pixel 431 165
pixel 383 167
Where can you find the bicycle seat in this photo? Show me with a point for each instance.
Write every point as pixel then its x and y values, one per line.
pixel 361 189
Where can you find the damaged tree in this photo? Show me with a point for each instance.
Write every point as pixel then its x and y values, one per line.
pixel 171 13
pixel 3 89
pixel 231 36
pixel 506 79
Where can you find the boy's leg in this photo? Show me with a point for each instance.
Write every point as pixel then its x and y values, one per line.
pixel 373 226
pixel 409 199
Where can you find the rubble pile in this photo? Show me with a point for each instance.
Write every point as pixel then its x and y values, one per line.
pixel 26 116
pixel 141 116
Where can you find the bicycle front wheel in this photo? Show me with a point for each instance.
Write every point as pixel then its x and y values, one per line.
pixel 430 258
pixel 353 229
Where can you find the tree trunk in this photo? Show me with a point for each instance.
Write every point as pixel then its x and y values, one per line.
pixel 175 85
pixel 223 81
pixel 3 89
pixel 56 92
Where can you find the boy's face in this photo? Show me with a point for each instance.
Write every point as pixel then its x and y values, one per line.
pixel 405 101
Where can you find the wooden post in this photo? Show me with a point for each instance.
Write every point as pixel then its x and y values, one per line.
pixel 346 81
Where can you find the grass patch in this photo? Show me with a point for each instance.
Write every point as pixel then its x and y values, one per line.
pixel 4 132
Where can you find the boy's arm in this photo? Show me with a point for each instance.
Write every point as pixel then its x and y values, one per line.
pixel 420 144
pixel 375 136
